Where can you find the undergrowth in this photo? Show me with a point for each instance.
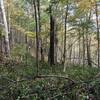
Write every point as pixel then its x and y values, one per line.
pixel 17 81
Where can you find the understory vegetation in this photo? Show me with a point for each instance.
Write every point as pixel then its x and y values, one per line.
pixel 19 81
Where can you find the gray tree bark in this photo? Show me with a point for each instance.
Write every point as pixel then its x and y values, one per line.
pixel 7 49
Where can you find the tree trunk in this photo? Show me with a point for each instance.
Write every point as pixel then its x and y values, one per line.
pixel 42 51
pixel 98 36
pixel 83 49
pixel 79 48
pixel 52 34
pixel 56 44
pixel 88 50
pixel 39 26
pixel 7 47
pixel 37 41
pixel 1 45
pixel 64 56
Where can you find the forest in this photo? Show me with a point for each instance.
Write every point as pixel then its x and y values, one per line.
pixel 49 49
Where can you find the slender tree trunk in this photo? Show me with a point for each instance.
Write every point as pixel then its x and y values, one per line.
pixel 73 54
pixel 26 42
pixel 52 35
pixel 70 54
pixel 6 29
pixel 42 51
pixel 1 44
pixel 98 36
pixel 83 49
pixel 56 44
pixel 39 24
pixel 37 41
pixel 88 50
pixel 64 56
pixel 70 50
pixel 79 48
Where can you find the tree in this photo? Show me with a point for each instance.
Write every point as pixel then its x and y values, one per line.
pixel 7 49
pixel 66 20
pixel 37 37
pixel 52 34
pixel 98 36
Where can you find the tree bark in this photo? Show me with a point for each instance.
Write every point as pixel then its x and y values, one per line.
pixel 66 15
pixel 98 36
pixel 83 48
pixel 52 34
pixel 79 47
pixel 64 55
pixel 7 47
pixel 88 50
pixel 39 26
pixel 37 41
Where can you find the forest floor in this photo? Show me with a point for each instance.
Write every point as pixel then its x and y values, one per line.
pixel 19 81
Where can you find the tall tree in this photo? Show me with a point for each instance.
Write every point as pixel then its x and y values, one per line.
pixel 66 19
pixel 66 15
pixel 52 34
pixel 37 38
pixel 39 26
pixel 98 36
pixel 7 49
